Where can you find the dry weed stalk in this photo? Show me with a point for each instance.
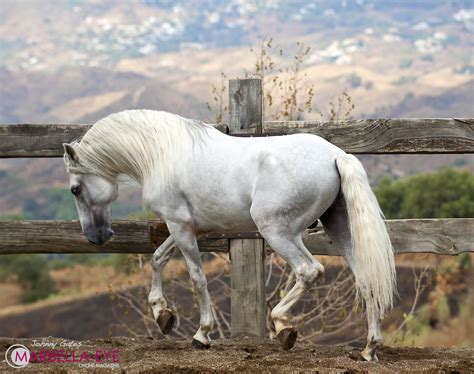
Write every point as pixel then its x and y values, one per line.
pixel 420 283
pixel 219 98
pixel 287 91
pixel 340 108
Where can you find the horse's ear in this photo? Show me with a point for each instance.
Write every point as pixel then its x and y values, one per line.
pixel 70 153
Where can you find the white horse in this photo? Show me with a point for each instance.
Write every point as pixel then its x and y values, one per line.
pixel 198 179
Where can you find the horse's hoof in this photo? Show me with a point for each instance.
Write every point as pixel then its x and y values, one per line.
pixel 369 355
pixel 287 337
pixel 196 344
pixel 166 320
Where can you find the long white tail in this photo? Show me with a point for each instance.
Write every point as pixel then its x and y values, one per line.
pixel 372 253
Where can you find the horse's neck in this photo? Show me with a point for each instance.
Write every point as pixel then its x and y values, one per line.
pixel 126 163
pixel 154 166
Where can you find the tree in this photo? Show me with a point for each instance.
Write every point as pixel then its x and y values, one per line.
pixel 443 194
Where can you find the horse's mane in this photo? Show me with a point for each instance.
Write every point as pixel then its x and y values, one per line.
pixel 138 143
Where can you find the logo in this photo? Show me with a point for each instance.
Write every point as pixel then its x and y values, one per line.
pixel 17 356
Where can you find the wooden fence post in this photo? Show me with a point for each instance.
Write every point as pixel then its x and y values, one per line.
pixel 248 304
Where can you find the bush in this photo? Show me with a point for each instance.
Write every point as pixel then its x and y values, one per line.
pixel 442 194
pixel 32 272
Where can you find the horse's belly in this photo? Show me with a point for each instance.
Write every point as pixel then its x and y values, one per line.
pixel 226 218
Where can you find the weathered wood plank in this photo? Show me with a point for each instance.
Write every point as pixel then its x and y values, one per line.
pixel 377 136
pixel 449 236
pixel 42 140
pixel 446 236
pixel 248 307
pixel 37 140
pixel 67 237
pixel 381 136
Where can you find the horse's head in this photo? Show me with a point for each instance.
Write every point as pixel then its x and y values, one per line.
pixel 94 196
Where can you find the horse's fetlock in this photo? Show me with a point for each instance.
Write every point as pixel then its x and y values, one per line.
pixel 207 325
pixel 152 299
pixel 376 340
pixel 309 274
pixel 156 301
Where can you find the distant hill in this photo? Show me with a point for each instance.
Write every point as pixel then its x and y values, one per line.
pixel 458 102
pixel 152 94
pixel 85 95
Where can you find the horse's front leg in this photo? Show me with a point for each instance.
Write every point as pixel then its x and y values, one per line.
pixel 164 317
pixel 185 239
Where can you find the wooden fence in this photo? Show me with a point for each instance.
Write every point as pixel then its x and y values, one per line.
pixel 247 249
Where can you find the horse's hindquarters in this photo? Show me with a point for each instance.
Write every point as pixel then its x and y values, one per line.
pixel 294 190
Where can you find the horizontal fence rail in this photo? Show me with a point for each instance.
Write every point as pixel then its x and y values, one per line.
pixel 448 236
pixel 369 136
pixel 382 136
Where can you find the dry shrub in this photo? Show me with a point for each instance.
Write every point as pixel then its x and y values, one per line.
pixel 288 92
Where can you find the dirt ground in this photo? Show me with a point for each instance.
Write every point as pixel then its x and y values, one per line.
pixel 248 355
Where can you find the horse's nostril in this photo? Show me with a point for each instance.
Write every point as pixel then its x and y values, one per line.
pixel 95 242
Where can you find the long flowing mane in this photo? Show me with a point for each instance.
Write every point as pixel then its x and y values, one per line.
pixel 137 143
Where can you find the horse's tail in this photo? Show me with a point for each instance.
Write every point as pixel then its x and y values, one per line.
pixel 372 254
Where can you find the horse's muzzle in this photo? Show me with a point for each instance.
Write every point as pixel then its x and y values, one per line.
pixel 99 236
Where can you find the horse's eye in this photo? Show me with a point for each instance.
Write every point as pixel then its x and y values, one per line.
pixel 75 190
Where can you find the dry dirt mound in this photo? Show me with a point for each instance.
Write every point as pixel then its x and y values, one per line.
pixel 251 355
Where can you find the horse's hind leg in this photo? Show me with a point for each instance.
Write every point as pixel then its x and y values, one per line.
pixel 304 265
pixel 164 317
pixel 336 226
pixel 306 269
pixel 374 335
